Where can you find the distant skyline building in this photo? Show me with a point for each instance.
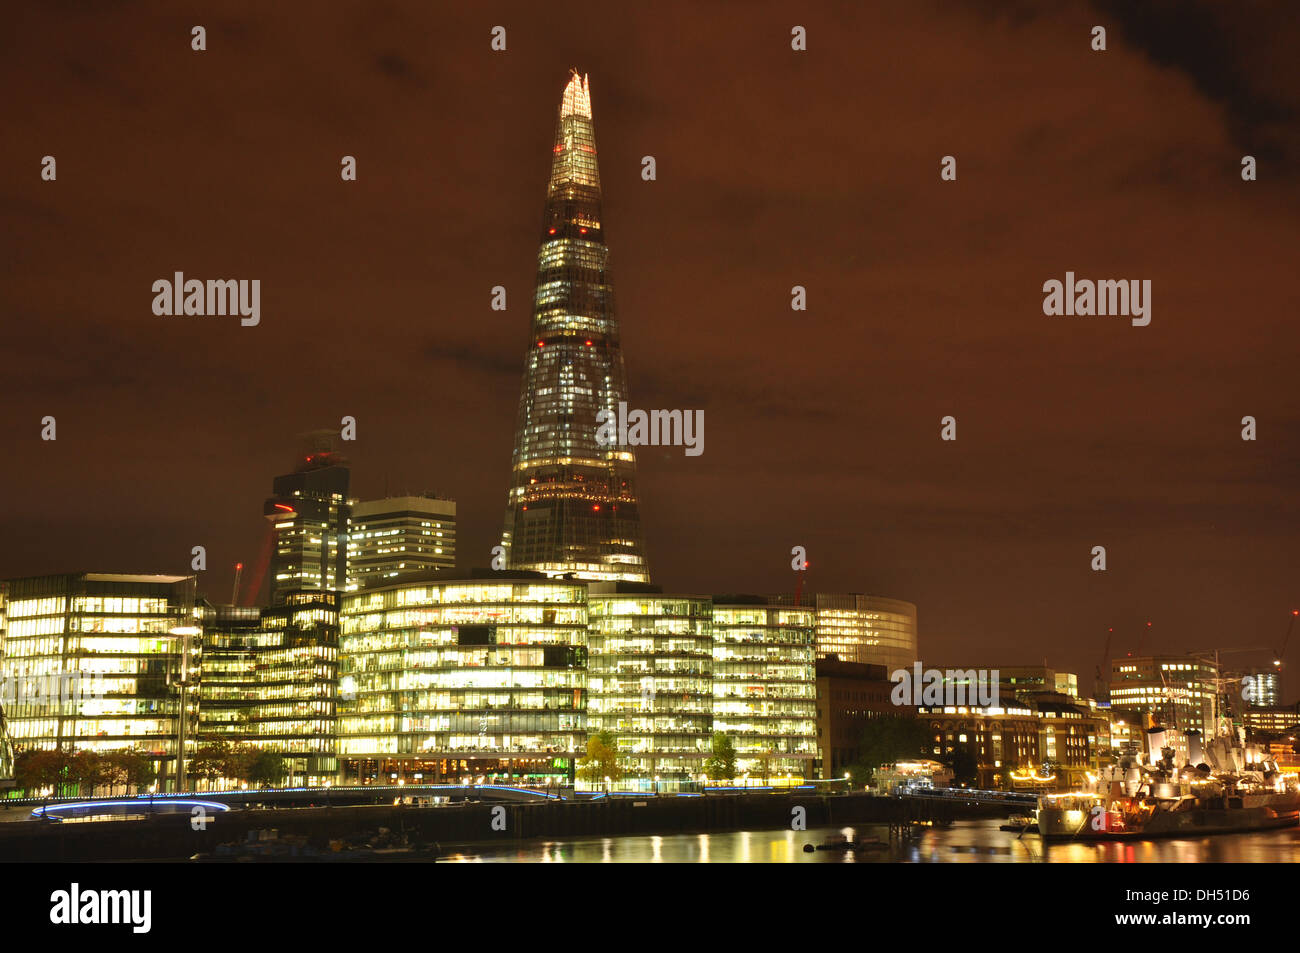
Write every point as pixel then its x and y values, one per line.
pixel 309 512
pixel 572 505
pixel 867 630
pixel 400 536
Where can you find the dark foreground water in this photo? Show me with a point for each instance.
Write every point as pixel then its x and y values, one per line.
pixel 974 842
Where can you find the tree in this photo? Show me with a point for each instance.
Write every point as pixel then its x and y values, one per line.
pixel 130 768
pixel 211 761
pixel 266 768
pixel 886 740
pixel 721 765
pixel 84 770
pixel 35 769
pixel 601 760
pixel 238 762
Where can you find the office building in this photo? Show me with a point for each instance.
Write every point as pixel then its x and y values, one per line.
pixel 270 681
pixel 1176 690
pixel 464 679
pixel 650 677
pixel 849 697
pixel 867 630
pixel 309 513
pixel 401 536
pixel 765 686
pixel 100 662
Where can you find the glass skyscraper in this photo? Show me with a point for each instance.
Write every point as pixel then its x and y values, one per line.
pixel 572 506
pixel 309 512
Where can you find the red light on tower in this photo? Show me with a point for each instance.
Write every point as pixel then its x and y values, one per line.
pixel 541 344
pixel 595 507
pixel 550 231
pixel 588 343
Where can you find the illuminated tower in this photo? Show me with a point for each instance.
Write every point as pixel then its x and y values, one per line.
pixel 572 506
pixel 309 512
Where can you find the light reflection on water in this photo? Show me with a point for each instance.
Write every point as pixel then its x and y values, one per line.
pixel 976 842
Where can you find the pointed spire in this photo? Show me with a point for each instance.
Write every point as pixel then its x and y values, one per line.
pixel 577 96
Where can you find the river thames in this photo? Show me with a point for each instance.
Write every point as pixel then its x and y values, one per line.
pixel 973 842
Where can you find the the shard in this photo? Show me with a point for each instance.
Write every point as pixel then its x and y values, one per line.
pixel 573 505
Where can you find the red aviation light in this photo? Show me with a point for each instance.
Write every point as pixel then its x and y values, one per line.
pixel 550 231
pixel 541 344
pixel 595 507
pixel 588 342
pixel 582 230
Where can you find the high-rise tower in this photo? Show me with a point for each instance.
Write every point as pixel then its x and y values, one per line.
pixel 309 512
pixel 572 505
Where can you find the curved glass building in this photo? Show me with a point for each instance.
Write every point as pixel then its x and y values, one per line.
pixel 464 680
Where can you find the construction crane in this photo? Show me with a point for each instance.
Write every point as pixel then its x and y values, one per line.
pixel 798 586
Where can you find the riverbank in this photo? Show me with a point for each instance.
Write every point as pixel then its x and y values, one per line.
pixel 175 837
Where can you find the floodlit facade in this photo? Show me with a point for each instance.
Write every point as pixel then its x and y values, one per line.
pixel 572 505
pixel 479 678
pixel 95 661
pixel 867 630
pixel 309 514
pixel 400 536
pixel 650 668
pixel 765 686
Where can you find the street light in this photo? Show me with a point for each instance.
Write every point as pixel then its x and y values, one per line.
pixel 184 633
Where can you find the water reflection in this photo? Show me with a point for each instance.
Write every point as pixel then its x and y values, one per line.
pixel 978 842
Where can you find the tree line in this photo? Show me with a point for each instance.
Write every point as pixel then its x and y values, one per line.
pixel 132 771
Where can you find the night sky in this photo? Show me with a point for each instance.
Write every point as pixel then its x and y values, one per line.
pixel 775 168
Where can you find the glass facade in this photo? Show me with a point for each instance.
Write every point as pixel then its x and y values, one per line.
pixel 309 515
pixel 765 687
pixel 269 679
pixel 402 536
pixel 572 506
pixel 478 678
pixel 650 679
pixel 91 662
pixel 868 630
